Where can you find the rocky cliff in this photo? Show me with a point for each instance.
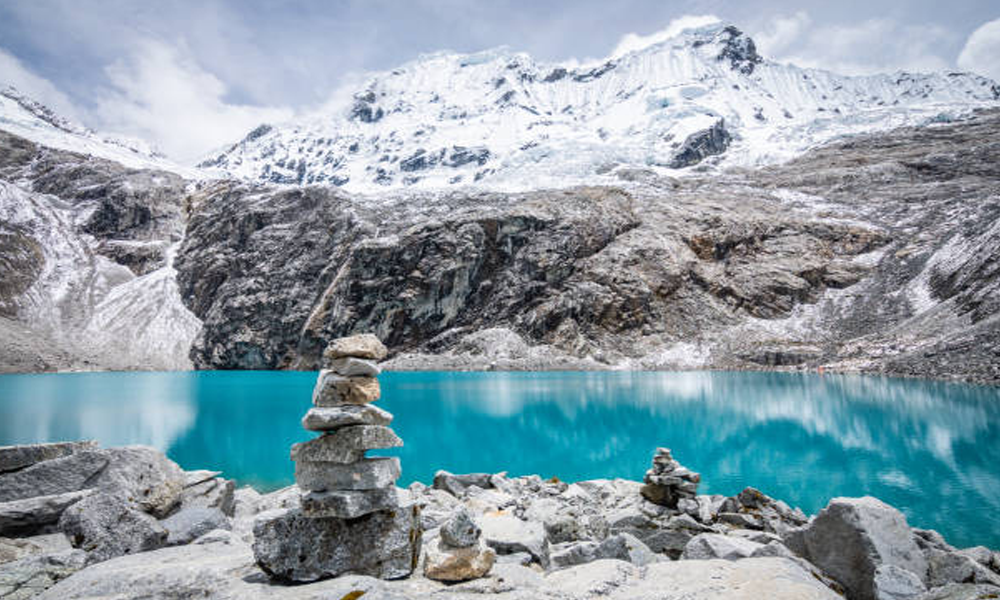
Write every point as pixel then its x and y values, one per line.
pixel 877 253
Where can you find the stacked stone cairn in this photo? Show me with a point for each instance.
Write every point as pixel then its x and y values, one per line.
pixel 352 518
pixel 667 482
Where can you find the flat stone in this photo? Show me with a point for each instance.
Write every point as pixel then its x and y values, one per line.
pixel 707 546
pixel 460 530
pixel 367 474
pixel 107 526
pixel 331 418
pixel 349 366
pixel 192 478
pixel 346 445
pixel 364 345
pixel 13 458
pixel 334 390
pixel 57 476
pixel 214 493
pixel 290 546
pixel 19 517
pixel 508 535
pixel 444 562
pixel 347 504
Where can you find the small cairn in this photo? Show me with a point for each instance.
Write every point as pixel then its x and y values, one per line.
pixel 460 553
pixel 352 518
pixel 667 481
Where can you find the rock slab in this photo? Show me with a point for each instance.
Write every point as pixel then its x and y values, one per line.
pixel 13 458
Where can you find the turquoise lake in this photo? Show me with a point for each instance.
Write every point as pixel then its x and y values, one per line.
pixel 931 449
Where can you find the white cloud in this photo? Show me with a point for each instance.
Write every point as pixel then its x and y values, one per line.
pixel 872 46
pixel 161 94
pixel 13 72
pixel 631 42
pixel 781 34
pixel 981 53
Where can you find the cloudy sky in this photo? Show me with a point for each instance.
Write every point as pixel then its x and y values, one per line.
pixel 190 76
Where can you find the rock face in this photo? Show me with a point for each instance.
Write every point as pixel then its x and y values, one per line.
pixel 645 272
pixel 352 518
pixel 702 144
pixel 104 232
pixel 852 538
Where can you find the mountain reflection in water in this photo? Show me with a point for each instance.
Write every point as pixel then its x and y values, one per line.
pixel 929 448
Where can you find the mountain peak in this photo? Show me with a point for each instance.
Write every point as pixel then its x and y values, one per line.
pixel 498 119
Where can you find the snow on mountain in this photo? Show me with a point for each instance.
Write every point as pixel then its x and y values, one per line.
pixel 501 120
pixel 32 120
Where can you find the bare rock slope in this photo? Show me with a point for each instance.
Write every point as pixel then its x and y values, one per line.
pixel 877 253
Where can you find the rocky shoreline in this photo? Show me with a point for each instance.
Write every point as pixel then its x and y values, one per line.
pixel 78 521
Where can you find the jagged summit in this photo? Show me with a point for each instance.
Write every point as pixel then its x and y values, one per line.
pixel 502 120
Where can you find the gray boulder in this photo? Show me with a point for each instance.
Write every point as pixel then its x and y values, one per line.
pixel 107 526
pixel 189 524
pixel 57 476
pixel 349 504
pixel 291 547
pixel 212 493
pixel 28 577
pixel 13 458
pixel 456 485
pixel 955 567
pixel 706 546
pixel 894 583
pixel 145 476
pixel 19 517
pixel 508 535
pixel 852 537
pixel 460 530
pixel 621 547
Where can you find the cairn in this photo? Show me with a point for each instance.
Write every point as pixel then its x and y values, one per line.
pixel 667 481
pixel 352 518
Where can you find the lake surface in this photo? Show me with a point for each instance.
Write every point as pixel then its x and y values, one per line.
pixel 931 449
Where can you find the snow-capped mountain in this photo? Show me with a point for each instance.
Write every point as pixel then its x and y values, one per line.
pixel 32 120
pixel 501 120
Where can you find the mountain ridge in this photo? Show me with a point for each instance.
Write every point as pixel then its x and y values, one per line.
pixel 496 119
